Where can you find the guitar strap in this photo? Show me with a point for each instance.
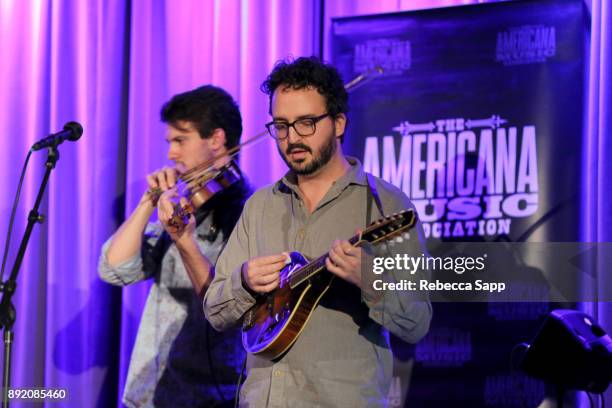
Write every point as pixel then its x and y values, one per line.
pixel 402 367
pixel 372 196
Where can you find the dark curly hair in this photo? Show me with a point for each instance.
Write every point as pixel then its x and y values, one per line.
pixel 208 108
pixel 309 72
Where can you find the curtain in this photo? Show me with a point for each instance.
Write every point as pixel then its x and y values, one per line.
pixel 597 216
pixel 62 61
pixel 111 64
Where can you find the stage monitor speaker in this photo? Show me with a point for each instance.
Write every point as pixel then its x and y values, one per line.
pixel 571 351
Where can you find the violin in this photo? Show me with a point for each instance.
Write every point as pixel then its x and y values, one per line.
pixel 202 182
pixel 198 186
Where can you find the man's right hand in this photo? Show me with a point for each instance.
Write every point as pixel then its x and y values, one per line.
pixel 262 274
pixel 163 179
pixel 127 241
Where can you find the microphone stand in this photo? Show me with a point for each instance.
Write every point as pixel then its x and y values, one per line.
pixel 7 310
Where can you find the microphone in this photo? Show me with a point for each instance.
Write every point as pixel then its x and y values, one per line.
pixel 72 131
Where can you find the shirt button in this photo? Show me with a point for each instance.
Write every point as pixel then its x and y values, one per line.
pixel 301 233
pixel 277 373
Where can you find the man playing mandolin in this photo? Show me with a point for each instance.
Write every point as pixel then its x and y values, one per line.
pixel 341 357
pixel 178 360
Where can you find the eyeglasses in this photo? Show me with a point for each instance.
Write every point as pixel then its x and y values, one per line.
pixel 303 127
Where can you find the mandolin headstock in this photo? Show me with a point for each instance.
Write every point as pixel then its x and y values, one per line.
pixel 395 226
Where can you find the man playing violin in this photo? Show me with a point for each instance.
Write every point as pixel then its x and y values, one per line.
pixel 178 360
pixel 342 356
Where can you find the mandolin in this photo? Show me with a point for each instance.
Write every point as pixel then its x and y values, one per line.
pixel 276 320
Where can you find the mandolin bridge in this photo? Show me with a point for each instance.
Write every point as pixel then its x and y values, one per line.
pixel 249 319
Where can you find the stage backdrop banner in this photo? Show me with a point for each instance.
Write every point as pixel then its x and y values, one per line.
pixel 478 118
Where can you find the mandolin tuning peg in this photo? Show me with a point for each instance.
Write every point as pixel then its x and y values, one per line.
pixel 406 236
pixel 399 239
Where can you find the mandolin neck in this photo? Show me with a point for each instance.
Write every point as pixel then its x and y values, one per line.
pixel 308 271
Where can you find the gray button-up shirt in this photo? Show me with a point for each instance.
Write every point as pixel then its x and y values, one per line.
pixel 342 357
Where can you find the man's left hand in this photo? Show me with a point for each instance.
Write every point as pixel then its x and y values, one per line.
pixel 344 261
pixel 165 210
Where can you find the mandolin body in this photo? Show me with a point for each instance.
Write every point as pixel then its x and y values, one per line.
pixel 273 324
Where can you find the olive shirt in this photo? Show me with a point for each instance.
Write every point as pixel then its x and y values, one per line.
pixel 342 357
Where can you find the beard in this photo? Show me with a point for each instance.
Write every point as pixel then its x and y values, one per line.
pixel 305 167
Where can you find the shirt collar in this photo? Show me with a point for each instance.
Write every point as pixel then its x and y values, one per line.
pixel 355 175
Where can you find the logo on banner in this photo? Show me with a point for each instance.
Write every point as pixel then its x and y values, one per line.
pixel 518 311
pixel 526 45
pixel 445 347
pixel 466 177
pixel 513 391
pixel 392 54
pixel 506 309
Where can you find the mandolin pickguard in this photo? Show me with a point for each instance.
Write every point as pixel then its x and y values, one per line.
pixel 276 320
